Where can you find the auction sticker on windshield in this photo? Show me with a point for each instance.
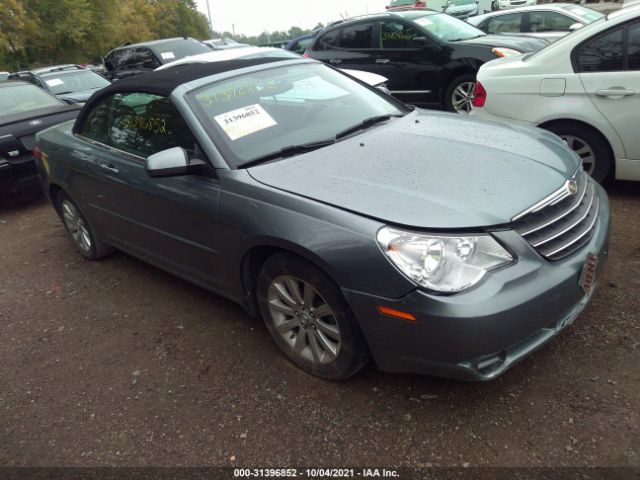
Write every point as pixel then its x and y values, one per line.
pixel 54 82
pixel 168 55
pixel 245 121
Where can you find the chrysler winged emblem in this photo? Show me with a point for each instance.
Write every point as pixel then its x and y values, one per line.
pixel 572 186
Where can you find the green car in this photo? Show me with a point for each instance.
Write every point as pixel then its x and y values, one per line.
pixel 357 227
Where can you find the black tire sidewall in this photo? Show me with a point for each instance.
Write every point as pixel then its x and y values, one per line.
pixel 353 351
pixel 599 146
pixel 467 77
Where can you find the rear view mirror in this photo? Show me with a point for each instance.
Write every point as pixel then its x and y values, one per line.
pixel 575 26
pixel 173 162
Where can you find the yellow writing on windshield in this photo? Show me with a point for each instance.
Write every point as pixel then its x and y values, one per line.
pixel 150 124
pixel 226 96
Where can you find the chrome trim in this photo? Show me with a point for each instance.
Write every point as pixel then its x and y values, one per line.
pixel 109 148
pixel 573 225
pixel 561 216
pixel 555 197
pixel 581 236
pixel 411 91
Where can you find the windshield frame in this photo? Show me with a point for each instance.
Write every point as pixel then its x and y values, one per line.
pixel 233 161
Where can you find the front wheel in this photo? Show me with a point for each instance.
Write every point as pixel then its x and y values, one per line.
pixel 460 94
pixel 309 319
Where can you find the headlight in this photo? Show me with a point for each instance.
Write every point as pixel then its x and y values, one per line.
pixel 505 52
pixel 442 263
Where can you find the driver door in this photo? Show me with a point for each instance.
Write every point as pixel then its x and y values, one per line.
pixel 413 70
pixel 170 222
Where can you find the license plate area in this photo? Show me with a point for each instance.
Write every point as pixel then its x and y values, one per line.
pixel 588 274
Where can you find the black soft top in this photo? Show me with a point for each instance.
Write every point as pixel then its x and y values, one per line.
pixel 163 82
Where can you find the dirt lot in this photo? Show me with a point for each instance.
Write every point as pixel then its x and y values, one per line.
pixel 117 363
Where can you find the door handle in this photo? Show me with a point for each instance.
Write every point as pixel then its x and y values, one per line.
pixel 382 60
pixel 108 167
pixel 335 61
pixel 614 92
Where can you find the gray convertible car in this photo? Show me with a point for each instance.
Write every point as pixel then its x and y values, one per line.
pixel 356 226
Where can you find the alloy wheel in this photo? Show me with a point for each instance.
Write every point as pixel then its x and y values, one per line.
pixel 304 319
pixel 462 97
pixel 584 151
pixel 76 226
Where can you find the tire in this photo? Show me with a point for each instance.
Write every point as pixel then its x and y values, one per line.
pixel 80 230
pixel 456 87
pixel 291 292
pixel 590 145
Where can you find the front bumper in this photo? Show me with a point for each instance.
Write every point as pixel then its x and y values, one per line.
pixel 18 175
pixel 480 333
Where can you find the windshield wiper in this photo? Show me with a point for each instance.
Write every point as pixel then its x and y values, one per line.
pixel 366 123
pixel 287 152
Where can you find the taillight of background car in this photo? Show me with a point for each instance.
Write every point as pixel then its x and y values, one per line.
pixel 480 96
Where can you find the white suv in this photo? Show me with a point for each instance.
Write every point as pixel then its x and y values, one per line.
pixel 585 88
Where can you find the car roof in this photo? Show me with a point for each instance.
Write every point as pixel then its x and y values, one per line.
pixel 558 7
pixel 409 14
pixel 152 43
pixel 224 55
pixel 627 10
pixel 163 82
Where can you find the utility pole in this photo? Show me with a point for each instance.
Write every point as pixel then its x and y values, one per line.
pixel 210 19
pixel 233 29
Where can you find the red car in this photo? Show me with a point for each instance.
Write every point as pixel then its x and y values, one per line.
pixel 406 5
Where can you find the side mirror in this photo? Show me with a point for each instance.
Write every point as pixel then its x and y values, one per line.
pixel 173 162
pixel 418 42
pixel 575 26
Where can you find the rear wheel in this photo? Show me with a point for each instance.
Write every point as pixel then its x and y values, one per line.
pixel 80 230
pixel 459 96
pixel 590 146
pixel 309 319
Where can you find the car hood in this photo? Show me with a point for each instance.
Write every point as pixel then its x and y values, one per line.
pixel 430 170
pixel 461 9
pixel 520 43
pixel 77 97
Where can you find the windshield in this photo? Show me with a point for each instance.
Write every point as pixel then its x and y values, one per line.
pixel 459 3
pixel 399 3
pixel 585 14
pixel 260 113
pixel 171 50
pixel 448 28
pixel 24 98
pixel 558 44
pixel 76 81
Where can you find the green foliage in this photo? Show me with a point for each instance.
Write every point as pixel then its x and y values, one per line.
pixel 38 32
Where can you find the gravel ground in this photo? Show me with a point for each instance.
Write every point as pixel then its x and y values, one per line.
pixel 115 363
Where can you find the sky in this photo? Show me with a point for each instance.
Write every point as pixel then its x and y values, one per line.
pixel 252 17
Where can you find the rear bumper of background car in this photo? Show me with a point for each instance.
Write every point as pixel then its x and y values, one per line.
pixel 480 333
pixel 18 176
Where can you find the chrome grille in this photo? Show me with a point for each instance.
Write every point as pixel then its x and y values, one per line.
pixel 564 222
